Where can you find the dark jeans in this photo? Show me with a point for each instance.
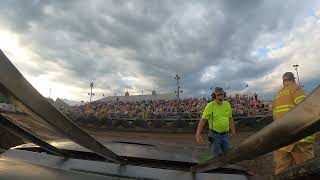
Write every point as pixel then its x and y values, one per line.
pixel 219 143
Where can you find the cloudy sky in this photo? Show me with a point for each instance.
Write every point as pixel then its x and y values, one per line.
pixel 141 45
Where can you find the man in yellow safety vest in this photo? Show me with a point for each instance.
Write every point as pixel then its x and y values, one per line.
pixel 290 95
pixel 218 114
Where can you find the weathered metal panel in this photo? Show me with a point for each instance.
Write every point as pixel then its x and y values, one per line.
pixel 14 85
pixel 112 169
pixel 20 170
pixel 14 128
pixel 163 152
pixel 38 127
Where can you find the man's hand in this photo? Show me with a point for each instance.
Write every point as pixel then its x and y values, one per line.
pixel 199 139
pixel 232 127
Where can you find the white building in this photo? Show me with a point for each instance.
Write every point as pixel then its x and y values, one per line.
pixel 134 98
pixel 60 104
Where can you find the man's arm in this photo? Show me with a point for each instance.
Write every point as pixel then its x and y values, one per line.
pixel 298 95
pixel 204 118
pixel 231 123
pixel 232 126
pixel 201 124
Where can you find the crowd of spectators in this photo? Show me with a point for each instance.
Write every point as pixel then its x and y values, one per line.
pixel 243 106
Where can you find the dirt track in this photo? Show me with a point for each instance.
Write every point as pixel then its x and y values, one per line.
pixel 262 165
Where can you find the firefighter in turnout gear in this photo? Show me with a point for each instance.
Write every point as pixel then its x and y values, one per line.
pixel 290 95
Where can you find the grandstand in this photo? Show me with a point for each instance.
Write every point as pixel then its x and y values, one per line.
pixel 6 107
pixel 156 111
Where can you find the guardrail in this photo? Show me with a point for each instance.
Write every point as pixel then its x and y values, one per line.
pixel 172 116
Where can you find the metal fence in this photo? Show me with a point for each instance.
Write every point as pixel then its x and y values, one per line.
pixel 169 116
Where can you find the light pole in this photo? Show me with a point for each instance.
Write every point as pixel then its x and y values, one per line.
pixel 91 94
pixel 82 108
pixel 296 68
pixel 211 92
pixel 178 91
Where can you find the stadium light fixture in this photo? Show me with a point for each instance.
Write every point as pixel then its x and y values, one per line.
pixel 296 68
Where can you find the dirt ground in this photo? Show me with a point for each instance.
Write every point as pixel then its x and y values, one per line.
pixel 260 166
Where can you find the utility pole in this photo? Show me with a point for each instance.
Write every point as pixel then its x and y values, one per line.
pixel 50 94
pixel 178 91
pixel 91 94
pixel 211 92
pixel 296 68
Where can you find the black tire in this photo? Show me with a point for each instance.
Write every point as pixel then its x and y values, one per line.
pixel 158 124
pixel 125 124
pixel 180 124
pixel 116 123
pixel 141 123
pixel 93 120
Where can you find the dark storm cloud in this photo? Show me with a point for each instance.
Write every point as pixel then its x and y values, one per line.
pixel 155 39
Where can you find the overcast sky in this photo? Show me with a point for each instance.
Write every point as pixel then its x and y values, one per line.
pixel 141 45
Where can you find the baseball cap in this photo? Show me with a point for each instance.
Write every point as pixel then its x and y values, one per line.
pixel 288 76
pixel 218 89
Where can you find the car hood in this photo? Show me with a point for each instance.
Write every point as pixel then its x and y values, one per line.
pixel 134 150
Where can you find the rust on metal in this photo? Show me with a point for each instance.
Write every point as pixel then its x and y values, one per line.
pixel 14 85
